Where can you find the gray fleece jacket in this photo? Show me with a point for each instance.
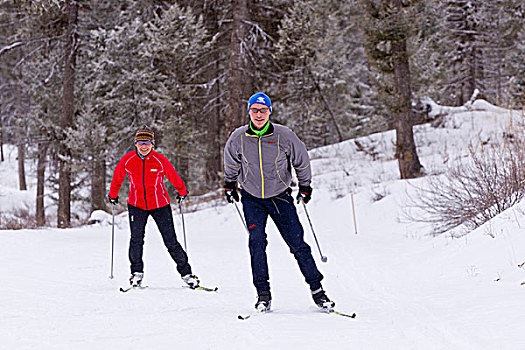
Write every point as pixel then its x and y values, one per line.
pixel 263 165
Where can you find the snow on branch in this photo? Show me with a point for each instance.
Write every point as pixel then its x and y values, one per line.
pixel 472 104
pixel 10 47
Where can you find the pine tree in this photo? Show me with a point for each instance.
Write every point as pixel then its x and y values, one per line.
pixel 388 27
pixel 325 71
pixel 68 111
pixel 239 78
pixel 118 89
pixel 474 50
pixel 145 73
pixel 38 35
pixel 465 58
pixel 15 100
pixel 176 41
pixel 210 99
pixel 517 61
pixel 255 61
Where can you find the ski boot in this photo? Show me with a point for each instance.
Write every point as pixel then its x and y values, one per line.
pixel 264 301
pixel 136 279
pixel 191 280
pixel 321 300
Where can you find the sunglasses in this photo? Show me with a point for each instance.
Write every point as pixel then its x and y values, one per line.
pixel 260 110
pixel 144 143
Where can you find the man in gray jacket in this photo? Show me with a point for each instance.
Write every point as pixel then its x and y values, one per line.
pixel 260 157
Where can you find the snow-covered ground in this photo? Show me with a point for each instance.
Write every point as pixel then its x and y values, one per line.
pixel 410 290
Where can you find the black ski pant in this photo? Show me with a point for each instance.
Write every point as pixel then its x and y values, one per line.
pixel 283 212
pixel 164 220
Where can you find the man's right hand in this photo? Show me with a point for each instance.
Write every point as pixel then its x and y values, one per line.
pixel 113 201
pixel 230 191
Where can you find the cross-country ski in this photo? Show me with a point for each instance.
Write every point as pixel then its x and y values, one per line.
pixel 125 290
pixel 205 289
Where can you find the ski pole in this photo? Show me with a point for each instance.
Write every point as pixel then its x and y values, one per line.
pixel 183 226
pixel 323 258
pixel 242 219
pixel 112 238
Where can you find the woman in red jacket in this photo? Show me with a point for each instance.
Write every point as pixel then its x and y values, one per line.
pixel 146 170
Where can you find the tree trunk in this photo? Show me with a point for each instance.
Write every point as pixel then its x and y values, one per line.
pixel 19 130
pixel 239 81
pixel 214 124
pixel 68 106
pixel 214 149
pixel 406 153
pixel 98 185
pixel 40 183
pixel 1 140
pixel 21 166
pixel 473 64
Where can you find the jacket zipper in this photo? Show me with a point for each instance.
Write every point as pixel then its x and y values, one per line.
pixel 261 166
pixel 144 181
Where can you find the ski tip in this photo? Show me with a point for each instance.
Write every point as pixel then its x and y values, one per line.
pixel 125 290
pixel 352 315
pixel 335 312
pixel 204 288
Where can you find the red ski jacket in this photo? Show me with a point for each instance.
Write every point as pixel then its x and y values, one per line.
pixel 146 178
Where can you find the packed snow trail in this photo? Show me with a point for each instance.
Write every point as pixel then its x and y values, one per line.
pixel 56 292
pixel 409 290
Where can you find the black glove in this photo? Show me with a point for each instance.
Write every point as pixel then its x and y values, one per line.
pixel 181 198
pixel 113 201
pixel 230 191
pixel 304 194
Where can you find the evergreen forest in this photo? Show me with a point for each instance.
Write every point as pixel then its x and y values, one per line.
pixel 79 77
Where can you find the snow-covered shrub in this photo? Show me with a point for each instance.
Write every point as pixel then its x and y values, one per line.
pixel 19 219
pixel 474 189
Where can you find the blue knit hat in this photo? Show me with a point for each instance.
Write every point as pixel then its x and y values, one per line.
pixel 261 98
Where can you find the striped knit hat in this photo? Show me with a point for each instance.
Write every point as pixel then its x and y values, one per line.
pixel 144 135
